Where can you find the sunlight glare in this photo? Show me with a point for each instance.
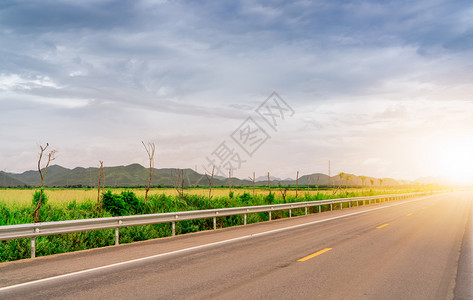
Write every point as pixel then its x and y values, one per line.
pixel 454 158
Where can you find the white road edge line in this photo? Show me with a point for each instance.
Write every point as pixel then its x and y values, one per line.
pixel 25 284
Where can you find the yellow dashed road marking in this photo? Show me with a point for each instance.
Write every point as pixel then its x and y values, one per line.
pixel 315 254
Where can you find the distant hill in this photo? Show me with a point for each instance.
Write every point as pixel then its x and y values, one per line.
pixel 137 175
pixel 433 180
pixel 8 181
pixel 131 175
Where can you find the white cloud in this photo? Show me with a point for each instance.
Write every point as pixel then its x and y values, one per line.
pixel 17 82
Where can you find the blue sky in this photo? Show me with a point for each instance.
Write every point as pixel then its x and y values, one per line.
pixel 377 87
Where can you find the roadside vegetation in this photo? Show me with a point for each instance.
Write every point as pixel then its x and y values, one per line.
pixel 20 206
pixel 80 204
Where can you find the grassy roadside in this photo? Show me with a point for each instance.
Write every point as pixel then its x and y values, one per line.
pixel 78 207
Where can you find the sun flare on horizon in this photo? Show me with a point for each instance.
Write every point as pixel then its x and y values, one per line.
pixel 453 158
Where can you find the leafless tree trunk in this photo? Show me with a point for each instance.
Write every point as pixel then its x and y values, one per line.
pixel 150 149
pixel 42 174
pixel 340 175
pixel 182 183
pixel 210 179
pixel 297 182
pixel 269 184
pixel 253 184
pixel 308 183
pixel 179 182
pixel 283 191
pixel 253 179
pixel 230 180
pixel 99 186
pixel 347 179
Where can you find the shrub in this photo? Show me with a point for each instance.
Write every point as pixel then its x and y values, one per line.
pixel 131 201
pixel 245 198
pixel 35 200
pixel 114 204
pixel 269 198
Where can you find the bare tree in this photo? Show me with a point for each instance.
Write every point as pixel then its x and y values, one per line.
pixel 178 182
pixel 269 184
pixel 347 179
pixel 210 179
pixel 42 173
pixel 253 179
pixel 150 149
pixel 99 185
pixel 363 178
pixel 230 180
pixel 308 183
pixel 340 175
pixel 283 191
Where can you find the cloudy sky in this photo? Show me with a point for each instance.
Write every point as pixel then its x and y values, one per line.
pixel 379 88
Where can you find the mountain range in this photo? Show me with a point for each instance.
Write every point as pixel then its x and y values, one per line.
pixel 136 175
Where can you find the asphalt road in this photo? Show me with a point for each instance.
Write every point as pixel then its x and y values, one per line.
pixel 416 249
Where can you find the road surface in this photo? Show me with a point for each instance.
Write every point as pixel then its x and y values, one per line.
pixel 415 249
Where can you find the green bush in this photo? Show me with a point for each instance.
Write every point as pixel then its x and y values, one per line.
pixel 132 202
pixel 114 204
pixel 245 198
pixel 269 198
pixel 36 195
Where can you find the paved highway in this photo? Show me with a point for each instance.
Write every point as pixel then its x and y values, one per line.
pixel 415 249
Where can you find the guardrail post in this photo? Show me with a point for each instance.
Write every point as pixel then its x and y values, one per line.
pixel 341 205
pixel 320 208
pixel 349 204
pixel 33 243
pixel 33 247
pixel 290 212
pixel 173 228
pixel 330 206
pixel 306 210
pixel 270 214
pixel 117 233
pixel 215 223
pixel 244 219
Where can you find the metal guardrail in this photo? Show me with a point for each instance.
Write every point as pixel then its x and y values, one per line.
pixel 33 230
